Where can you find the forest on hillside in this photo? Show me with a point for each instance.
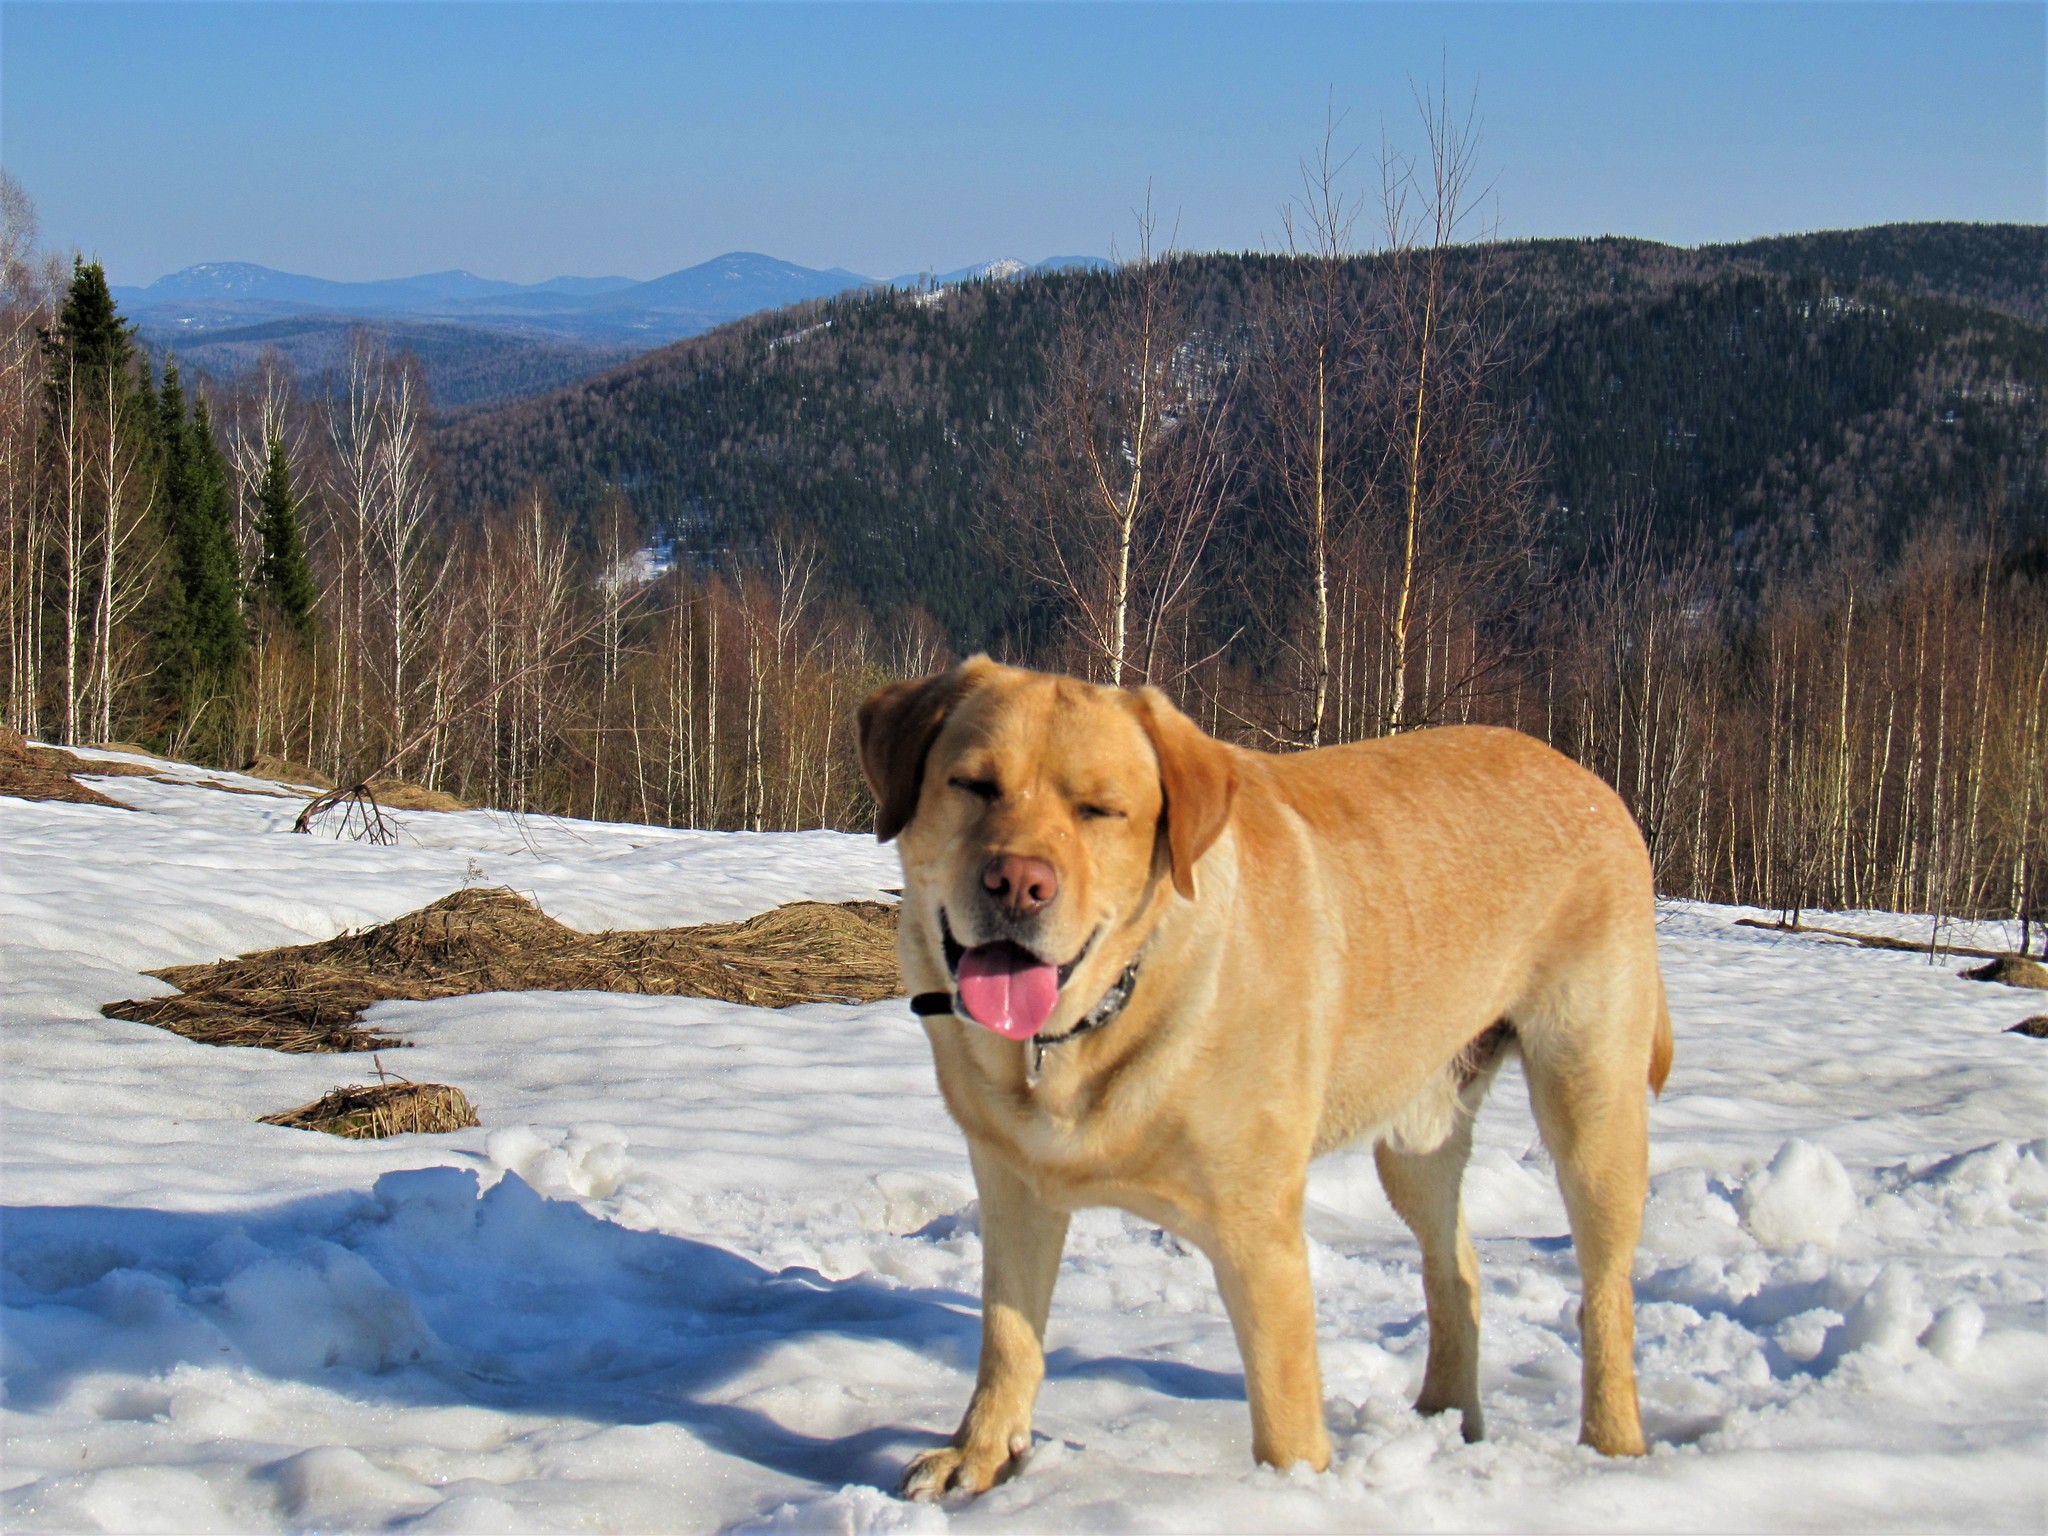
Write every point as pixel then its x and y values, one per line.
pixel 466 366
pixel 1763 547
pixel 1760 418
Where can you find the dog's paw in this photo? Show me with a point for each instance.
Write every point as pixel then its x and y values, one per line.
pixel 966 1469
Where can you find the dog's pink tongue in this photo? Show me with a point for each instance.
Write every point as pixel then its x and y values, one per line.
pixel 1007 989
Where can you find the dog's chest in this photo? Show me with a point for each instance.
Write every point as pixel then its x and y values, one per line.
pixel 1077 1142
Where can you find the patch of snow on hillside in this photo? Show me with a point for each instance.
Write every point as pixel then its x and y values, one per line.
pixel 712 1267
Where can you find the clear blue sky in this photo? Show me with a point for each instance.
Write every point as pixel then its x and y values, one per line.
pixel 526 141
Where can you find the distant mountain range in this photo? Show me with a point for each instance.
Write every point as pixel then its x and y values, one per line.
pixel 608 312
pixel 482 340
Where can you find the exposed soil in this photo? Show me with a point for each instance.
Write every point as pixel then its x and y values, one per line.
pixel 310 997
pixel 2035 1028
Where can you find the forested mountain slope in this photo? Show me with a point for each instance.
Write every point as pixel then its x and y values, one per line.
pixel 466 366
pixel 2000 266
pixel 1763 402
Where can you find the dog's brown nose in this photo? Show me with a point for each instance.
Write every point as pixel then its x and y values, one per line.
pixel 1021 886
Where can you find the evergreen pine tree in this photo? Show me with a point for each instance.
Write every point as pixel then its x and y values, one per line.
pixel 90 334
pixel 213 586
pixel 177 666
pixel 284 578
pixel 200 634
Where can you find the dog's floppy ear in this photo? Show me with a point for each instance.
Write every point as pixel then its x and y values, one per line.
pixel 1199 778
pixel 898 724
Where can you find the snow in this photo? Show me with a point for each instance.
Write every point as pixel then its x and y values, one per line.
pixel 709 1267
pixel 1804 1196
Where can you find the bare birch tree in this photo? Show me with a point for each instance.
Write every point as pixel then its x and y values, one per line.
pixel 1454 490
pixel 1128 469
pixel 1316 345
pixel 355 427
pixel 25 308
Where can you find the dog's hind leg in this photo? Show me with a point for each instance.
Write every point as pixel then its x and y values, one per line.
pixel 1021 1238
pixel 1588 1091
pixel 1424 1190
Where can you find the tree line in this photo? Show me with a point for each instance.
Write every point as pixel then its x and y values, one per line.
pixel 1316 503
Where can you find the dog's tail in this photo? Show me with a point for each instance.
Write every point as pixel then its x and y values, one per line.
pixel 1660 1046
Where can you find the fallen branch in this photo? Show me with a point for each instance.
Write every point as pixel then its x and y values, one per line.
pixel 1881 941
pixel 360 804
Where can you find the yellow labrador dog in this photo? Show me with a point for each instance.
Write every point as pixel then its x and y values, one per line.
pixel 1164 973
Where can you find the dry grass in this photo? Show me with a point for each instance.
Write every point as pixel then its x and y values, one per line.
pixel 309 997
pixel 44 773
pixel 282 770
pixel 403 795
pixel 105 767
pixel 126 746
pixel 2013 972
pixel 364 1111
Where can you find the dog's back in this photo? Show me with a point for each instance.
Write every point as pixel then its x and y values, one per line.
pixel 1445 881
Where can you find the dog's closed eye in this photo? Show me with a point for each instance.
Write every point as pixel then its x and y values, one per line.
pixel 981 789
pixel 1101 813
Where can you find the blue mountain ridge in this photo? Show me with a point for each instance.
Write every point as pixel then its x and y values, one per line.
pixel 739 281
pixel 223 314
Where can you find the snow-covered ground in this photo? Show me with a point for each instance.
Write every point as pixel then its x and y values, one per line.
pixel 709 1267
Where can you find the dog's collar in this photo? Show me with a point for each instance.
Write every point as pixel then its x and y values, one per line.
pixel 1107 1007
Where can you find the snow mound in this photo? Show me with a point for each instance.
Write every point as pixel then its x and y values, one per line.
pixel 1805 1195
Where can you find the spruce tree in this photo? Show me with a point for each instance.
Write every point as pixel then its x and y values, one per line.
pixel 213 587
pixel 284 578
pixel 171 621
pixel 200 630
pixel 90 334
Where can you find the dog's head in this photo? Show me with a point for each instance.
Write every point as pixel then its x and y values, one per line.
pixel 1043 823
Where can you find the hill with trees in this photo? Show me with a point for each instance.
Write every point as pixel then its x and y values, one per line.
pixel 467 365
pixel 1763 403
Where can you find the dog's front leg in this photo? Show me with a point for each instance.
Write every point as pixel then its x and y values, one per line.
pixel 1021 1240
pixel 1261 1263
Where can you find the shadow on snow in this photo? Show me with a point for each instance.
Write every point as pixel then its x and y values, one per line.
pixel 425 1291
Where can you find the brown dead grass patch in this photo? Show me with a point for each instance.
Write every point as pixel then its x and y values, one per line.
pixel 221 786
pixel 366 1111
pixel 282 770
pixel 309 997
pixel 403 795
pixel 105 767
pixel 2012 971
pixel 126 746
pixel 44 773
